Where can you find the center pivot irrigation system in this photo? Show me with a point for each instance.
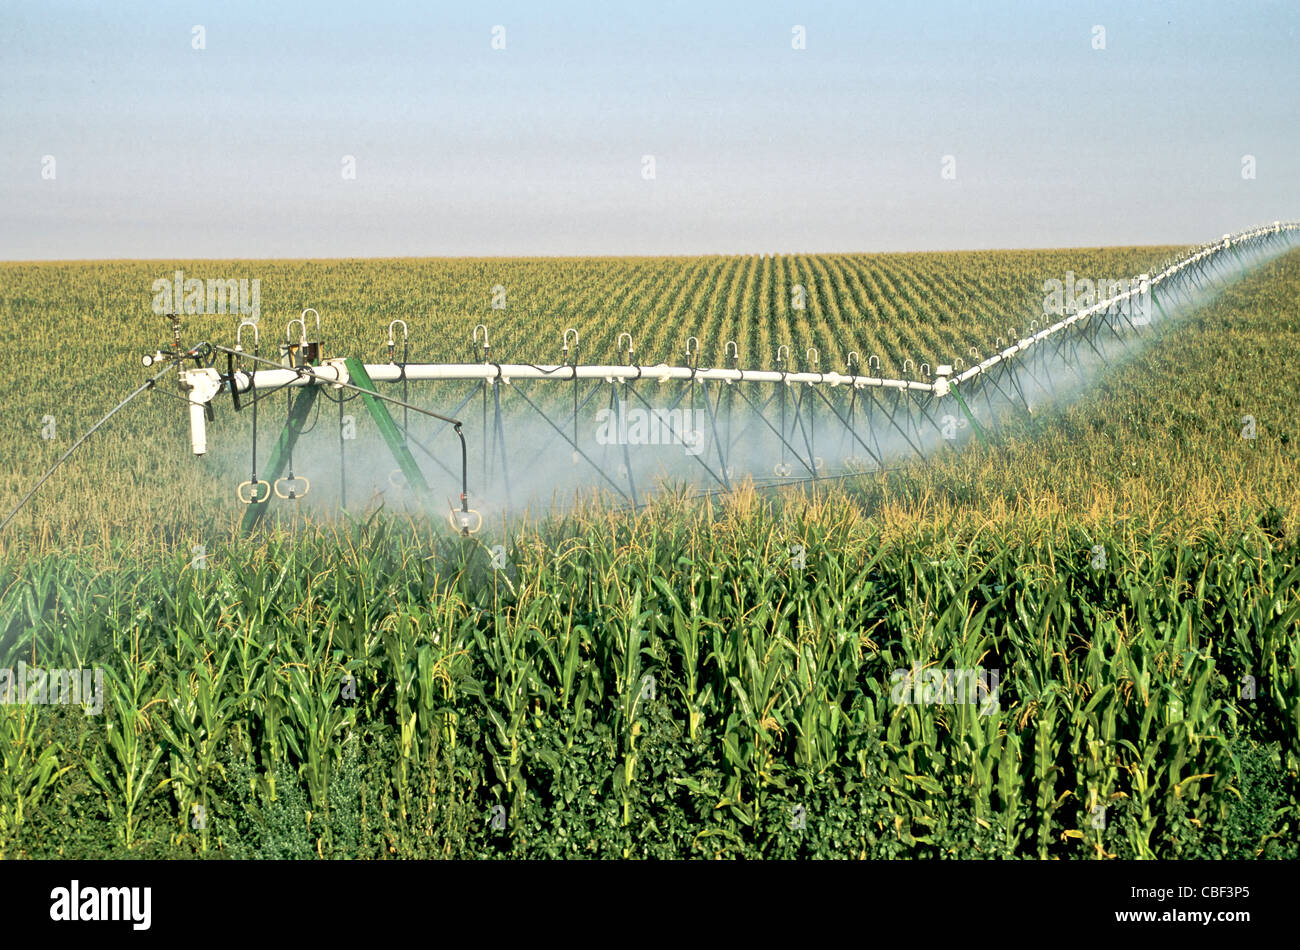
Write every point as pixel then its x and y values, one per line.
pixel 712 420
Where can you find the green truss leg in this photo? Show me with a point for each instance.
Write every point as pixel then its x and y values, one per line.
pixel 387 427
pixel 298 417
pixel 979 432
pixel 302 404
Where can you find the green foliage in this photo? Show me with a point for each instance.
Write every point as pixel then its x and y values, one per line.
pixel 671 683
pixel 632 697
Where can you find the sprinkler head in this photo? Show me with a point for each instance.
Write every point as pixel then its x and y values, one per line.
pixel 467 522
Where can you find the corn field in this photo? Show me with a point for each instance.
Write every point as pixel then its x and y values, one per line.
pixel 702 678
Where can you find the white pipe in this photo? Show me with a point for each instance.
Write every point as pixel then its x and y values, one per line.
pixel 198 428
pixel 334 371
pixel 203 383
pixel 1145 282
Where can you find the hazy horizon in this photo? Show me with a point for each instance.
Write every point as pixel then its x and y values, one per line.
pixel 581 257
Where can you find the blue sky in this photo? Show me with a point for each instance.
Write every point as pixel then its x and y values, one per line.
pixel 236 150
